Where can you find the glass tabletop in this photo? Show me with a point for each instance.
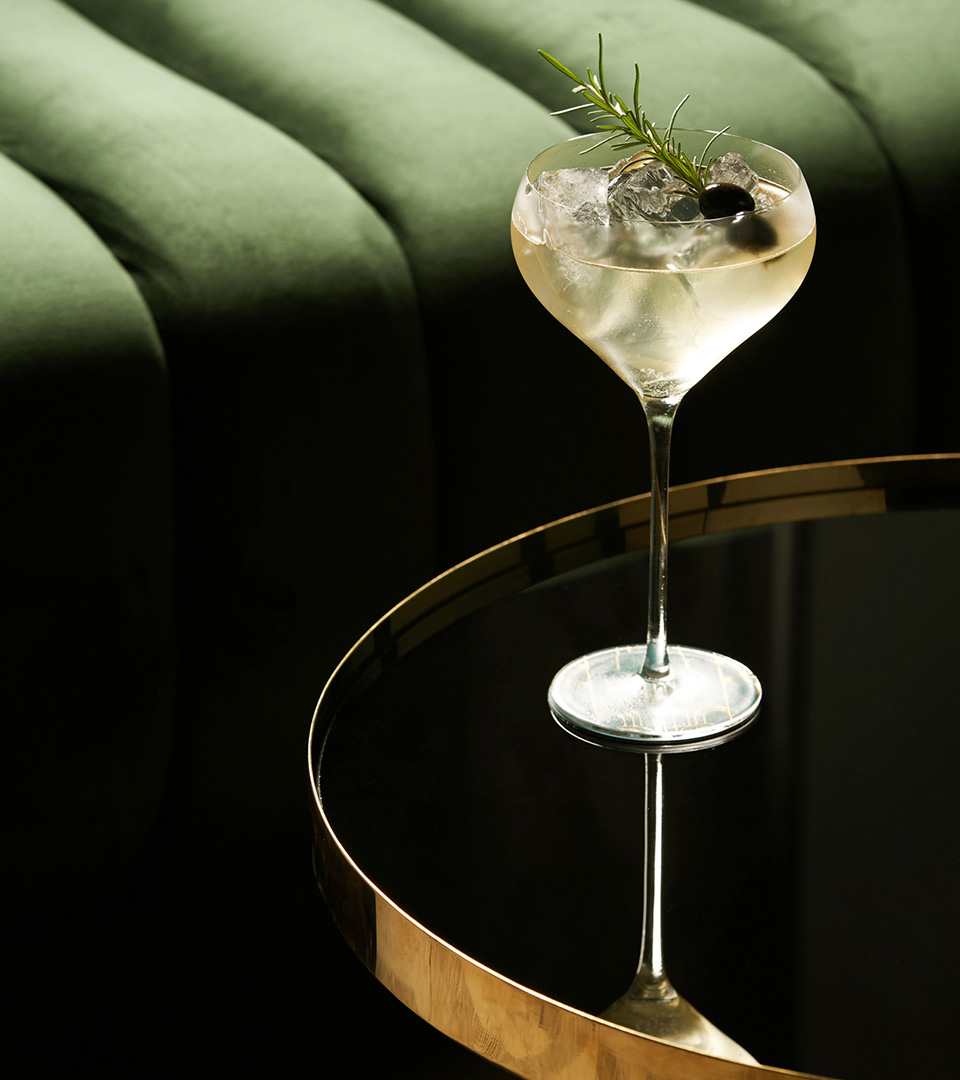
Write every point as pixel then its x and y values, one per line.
pixel 487 867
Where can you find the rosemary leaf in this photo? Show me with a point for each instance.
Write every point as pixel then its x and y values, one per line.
pixel 632 123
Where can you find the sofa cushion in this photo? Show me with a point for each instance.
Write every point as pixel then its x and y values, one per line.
pixel 300 426
pixel 437 143
pixel 898 69
pixel 86 620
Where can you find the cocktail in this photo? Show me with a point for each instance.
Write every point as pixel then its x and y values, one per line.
pixel 662 261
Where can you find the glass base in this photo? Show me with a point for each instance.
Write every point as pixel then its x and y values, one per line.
pixel 705 699
pixel 675 1021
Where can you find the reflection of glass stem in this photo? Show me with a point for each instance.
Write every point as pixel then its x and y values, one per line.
pixel 652 982
pixel 659 416
pixel 651 1005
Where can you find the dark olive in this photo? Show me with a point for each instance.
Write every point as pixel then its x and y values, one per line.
pixel 752 232
pixel 724 200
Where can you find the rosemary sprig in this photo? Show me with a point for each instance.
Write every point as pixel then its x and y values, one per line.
pixel 632 126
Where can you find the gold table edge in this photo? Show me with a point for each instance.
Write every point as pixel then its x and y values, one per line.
pixel 461 997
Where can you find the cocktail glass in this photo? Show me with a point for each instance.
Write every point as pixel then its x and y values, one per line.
pixel 662 299
pixel 662 302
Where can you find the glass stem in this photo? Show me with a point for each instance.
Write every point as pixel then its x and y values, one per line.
pixel 651 981
pixel 659 416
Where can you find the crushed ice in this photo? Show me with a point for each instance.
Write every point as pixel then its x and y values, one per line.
pixel 651 191
pixel 639 190
pixel 732 169
pixel 581 192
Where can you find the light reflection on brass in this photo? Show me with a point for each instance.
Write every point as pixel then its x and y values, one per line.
pixel 510 1025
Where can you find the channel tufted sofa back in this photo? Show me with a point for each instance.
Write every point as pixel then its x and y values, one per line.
pixel 266 365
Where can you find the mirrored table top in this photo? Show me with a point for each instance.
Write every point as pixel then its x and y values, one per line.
pixel 487 867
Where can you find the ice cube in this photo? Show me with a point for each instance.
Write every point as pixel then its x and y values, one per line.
pixel 572 205
pixel 581 193
pixel 732 169
pixel 651 191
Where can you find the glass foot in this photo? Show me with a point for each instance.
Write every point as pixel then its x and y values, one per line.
pixel 706 698
pixel 676 1021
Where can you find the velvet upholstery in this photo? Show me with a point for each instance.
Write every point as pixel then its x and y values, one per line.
pixel 266 364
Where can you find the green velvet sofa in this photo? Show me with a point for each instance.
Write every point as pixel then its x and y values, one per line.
pixel 266 365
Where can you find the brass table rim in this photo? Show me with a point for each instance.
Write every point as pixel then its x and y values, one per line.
pixel 511 1025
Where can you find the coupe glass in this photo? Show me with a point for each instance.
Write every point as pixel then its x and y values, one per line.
pixel 661 302
pixel 662 299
